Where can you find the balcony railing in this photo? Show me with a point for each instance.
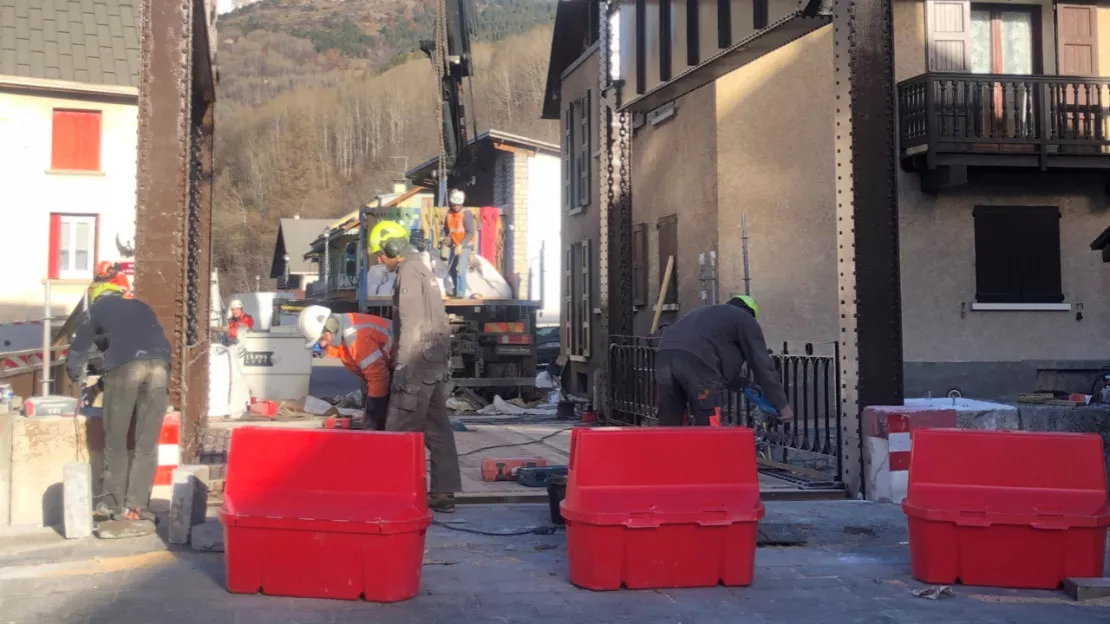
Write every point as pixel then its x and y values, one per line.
pixel 1010 120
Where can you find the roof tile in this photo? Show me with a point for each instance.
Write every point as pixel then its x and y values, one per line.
pixel 79 40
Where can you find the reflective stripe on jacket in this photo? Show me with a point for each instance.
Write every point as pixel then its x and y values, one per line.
pixel 365 346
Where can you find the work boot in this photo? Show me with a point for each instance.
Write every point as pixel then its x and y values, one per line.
pixel 441 502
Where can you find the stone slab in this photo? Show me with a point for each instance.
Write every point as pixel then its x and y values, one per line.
pixel 208 536
pixel 77 500
pixel 1087 588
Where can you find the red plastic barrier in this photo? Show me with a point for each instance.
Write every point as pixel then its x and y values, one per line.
pixel 1006 509
pixel 325 514
pixel 662 507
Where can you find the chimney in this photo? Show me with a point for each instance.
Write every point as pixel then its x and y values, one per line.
pixel 400 187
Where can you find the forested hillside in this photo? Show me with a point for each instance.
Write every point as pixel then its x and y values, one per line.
pixel 320 108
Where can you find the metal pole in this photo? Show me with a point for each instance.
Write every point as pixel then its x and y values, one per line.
pixel 543 272
pixel 744 248
pixel 327 259
pixel 46 341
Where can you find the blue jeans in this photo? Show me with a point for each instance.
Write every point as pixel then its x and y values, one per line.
pixel 460 264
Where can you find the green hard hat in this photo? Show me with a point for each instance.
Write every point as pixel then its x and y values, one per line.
pixel 748 301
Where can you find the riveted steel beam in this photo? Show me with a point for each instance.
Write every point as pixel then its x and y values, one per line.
pixel 174 207
pixel 869 288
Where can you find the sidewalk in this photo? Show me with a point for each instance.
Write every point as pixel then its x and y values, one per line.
pixel 858 575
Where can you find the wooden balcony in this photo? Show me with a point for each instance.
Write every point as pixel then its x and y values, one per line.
pixel 989 120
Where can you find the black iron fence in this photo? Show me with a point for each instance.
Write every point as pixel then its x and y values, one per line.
pixel 811 381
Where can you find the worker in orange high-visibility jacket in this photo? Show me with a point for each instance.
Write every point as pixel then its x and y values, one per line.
pixel 111 272
pixel 364 343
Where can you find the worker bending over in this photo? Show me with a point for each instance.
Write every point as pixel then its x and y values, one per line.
pixel 238 319
pixel 364 343
pixel 459 234
pixel 701 357
pixel 111 272
pixel 135 371
pixel 417 397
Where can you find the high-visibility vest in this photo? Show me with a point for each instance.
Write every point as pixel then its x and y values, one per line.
pixel 456 226
pixel 365 346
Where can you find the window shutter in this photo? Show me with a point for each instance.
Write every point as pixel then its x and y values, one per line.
pixel 948 35
pixel 75 141
pixel 568 156
pixel 668 247
pixel 1077 39
pixel 639 261
pixel 584 152
pixel 994 277
pixel 568 301
pixel 55 246
pixel 584 319
pixel 760 13
pixel 1039 251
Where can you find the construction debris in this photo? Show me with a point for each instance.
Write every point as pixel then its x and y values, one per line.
pixel 934 593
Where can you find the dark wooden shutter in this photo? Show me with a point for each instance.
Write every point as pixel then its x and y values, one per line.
pixel 693 32
pixel 568 157
pixel 1017 254
pixel 668 246
pixel 665 40
pixel 1077 38
pixel 584 151
pixel 639 265
pixel 568 300
pixel 948 35
pixel 584 319
pixel 760 14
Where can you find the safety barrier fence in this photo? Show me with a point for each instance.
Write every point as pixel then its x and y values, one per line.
pixel 811 381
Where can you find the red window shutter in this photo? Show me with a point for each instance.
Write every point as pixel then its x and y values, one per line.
pixel 55 246
pixel 75 144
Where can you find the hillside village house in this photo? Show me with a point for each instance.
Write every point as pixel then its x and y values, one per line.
pixel 1002 127
pixel 69 75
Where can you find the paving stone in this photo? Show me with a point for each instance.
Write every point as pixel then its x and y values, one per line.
pixel 1087 588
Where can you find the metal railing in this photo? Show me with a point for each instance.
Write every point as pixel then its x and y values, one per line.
pixel 811 382
pixel 1004 113
pixel 23 370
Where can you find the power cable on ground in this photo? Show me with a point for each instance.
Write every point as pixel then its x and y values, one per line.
pixel 516 444
pixel 543 529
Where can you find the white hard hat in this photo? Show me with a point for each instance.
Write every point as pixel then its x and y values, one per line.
pixel 311 323
pixel 457 197
pixel 235 303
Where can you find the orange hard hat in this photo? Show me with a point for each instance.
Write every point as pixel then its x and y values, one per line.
pixel 106 269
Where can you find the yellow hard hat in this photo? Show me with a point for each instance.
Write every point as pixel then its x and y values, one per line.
pixel 385 231
pixel 748 301
pixel 102 288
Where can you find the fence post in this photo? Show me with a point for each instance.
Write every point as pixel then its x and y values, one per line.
pixel 46 340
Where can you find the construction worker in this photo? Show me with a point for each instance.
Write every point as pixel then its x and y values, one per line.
pixel 701 357
pixel 135 369
pixel 108 271
pixel 236 317
pixel 417 395
pixel 460 233
pixel 364 343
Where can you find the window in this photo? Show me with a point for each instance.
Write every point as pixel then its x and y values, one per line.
pixel 668 248
pixel 692 32
pixel 724 23
pixel 982 38
pixel 665 39
pixel 615 46
pixel 72 246
pixel 1017 254
pixel 639 265
pixel 568 157
pixel 577 306
pixel 75 141
pixel 760 14
pixel 584 157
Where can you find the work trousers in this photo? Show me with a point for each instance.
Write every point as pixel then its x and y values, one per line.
pixel 137 390
pixel 421 407
pixel 459 264
pixel 684 382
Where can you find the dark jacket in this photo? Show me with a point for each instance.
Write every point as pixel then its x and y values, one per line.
pixel 125 330
pixel 419 324
pixel 726 337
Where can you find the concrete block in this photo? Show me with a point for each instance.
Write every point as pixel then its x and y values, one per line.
pixel 208 536
pixel 40 448
pixel 77 500
pixel 188 501
pixel 1087 588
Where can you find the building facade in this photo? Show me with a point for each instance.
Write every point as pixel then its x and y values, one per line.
pixel 69 122
pixel 1001 134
